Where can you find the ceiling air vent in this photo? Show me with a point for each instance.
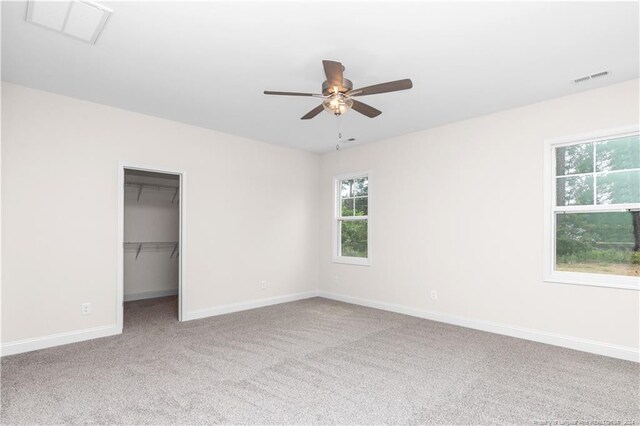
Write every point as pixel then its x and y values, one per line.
pixel 591 77
pixel 80 19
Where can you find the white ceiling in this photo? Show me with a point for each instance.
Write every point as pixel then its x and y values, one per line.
pixel 207 63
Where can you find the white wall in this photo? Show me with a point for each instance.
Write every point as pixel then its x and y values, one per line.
pixel 154 217
pixel 251 212
pixel 459 209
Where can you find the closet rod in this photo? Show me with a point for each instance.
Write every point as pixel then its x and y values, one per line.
pixel 169 243
pixel 154 186
pixel 141 186
pixel 139 245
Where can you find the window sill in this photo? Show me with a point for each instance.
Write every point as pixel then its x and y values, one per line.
pixel 595 280
pixel 361 261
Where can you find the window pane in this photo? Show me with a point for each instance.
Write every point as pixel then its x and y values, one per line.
pixel 574 159
pixel 601 243
pixel 618 154
pixel 347 207
pixel 574 191
pixel 353 238
pixel 360 187
pixel 621 187
pixel 362 208
pixel 345 188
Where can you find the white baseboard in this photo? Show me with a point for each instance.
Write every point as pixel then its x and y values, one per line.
pixel 243 306
pixel 150 294
pixel 577 343
pixel 571 342
pixel 27 345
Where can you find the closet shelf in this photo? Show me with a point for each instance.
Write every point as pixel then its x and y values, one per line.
pixel 157 245
pixel 141 186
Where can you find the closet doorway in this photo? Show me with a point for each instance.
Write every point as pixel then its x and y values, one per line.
pixel 151 206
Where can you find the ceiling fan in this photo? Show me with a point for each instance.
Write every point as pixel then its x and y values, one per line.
pixel 338 93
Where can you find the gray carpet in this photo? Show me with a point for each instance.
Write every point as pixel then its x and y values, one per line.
pixel 313 361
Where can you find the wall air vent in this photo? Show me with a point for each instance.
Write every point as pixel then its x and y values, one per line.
pixel 80 19
pixel 581 79
pixel 591 77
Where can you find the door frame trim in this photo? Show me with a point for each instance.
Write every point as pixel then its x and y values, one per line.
pixel 182 235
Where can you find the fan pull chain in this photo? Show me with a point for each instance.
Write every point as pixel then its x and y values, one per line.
pixel 339 132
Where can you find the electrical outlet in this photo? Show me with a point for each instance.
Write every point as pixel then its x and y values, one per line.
pixel 263 284
pixel 85 308
pixel 434 294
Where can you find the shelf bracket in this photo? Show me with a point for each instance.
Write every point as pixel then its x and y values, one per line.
pixel 140 192
pixel 138 252
pixel 175 249
pixel 175 194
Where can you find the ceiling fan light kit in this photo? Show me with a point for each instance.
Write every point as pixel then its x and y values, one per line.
pixel 338 93
pixel 337 104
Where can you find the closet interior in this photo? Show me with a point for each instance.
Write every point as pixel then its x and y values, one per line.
pixel 151 237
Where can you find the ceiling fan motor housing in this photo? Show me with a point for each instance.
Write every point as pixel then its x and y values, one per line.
pixel 327 88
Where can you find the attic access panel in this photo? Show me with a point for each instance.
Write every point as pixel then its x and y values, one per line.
pixel 81 19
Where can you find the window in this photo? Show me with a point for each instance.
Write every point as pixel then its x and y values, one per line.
pixel 593 216
pixel 351 221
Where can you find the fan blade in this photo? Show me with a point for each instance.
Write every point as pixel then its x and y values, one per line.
pixel 317 110
pixel 270 92
pixel 391 86
pixel 333 70
pixel 365 109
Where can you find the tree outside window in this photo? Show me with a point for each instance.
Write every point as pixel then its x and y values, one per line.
pixel 596 209
pixel 352 219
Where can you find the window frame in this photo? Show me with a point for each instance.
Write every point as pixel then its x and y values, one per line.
pixel 550 209
pixel 337 218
